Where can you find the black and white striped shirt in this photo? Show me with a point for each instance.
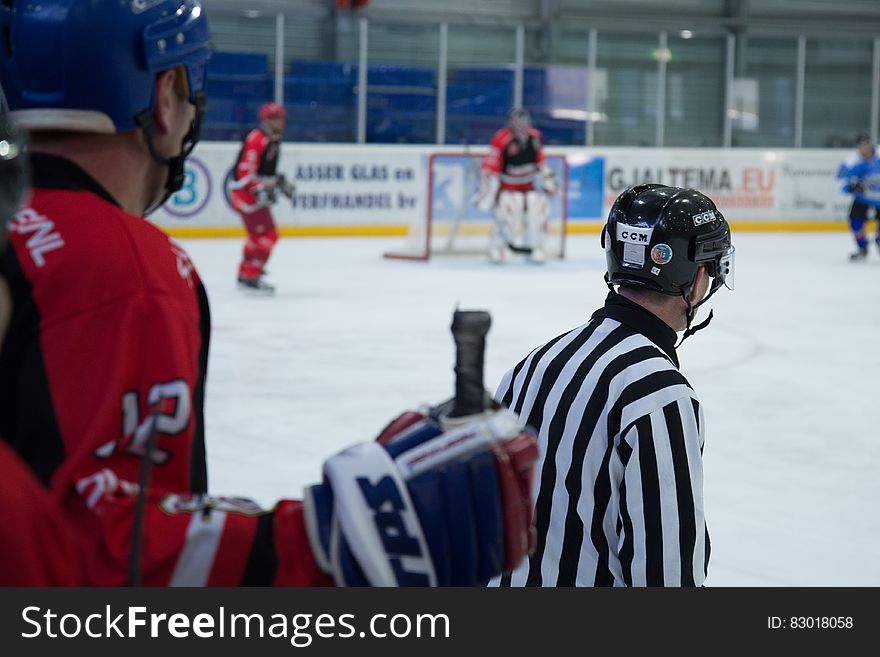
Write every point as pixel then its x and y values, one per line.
pixel 619 481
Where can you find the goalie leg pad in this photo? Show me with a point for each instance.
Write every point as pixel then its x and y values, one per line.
pixel 537 219
pixel 511 206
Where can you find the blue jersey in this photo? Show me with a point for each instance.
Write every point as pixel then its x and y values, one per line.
pixel 865 175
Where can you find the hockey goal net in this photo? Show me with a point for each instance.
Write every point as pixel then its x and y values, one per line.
pixel 452 225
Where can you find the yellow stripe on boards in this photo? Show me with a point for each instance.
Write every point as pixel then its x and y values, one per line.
pixel 574 228
pixel 288 231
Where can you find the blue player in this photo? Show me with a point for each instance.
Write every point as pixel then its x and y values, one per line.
pixel 861 178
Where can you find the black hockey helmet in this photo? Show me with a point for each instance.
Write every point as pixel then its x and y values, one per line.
pixel 657 236
pixel 862 138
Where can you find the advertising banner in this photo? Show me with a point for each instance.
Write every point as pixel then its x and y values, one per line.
pixel 796 185
pixel 381 189
pixel 339 185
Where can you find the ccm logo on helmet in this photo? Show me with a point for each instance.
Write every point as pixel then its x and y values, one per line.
pixel 704 218
pixel 634 234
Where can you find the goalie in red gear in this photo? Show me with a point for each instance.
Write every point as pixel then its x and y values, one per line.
pixel 515 182
pixel 103 370
pixel 255 191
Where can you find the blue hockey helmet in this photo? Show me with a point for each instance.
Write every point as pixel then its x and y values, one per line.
pixel 84 65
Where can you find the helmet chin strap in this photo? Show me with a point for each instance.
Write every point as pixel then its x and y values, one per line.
pixel 692 312
pixel 175 164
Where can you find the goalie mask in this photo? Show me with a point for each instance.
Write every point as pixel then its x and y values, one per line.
pixel 656 238
pixel 519 121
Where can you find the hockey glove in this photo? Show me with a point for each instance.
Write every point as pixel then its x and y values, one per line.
pixel 265 195
pixel 547 181
pixel 424 507
pixel 855 188
pixel 487 193
pixel 284 186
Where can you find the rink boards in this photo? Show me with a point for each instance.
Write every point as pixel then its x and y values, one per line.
pixel 378 190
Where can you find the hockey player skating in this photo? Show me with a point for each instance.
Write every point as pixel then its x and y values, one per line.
pixel 620 499
pixel 102 374
pixel 255 190
pixel 515 185
pixel 35 541
pixel 861 178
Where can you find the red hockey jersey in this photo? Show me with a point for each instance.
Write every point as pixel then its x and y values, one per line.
pixel 109 339
pixel 36 546
pixel 516 163
pixel 257 161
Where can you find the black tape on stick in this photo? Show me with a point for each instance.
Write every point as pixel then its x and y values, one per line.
pixel 469 329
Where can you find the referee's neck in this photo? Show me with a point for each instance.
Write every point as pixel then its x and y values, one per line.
pixel 669 309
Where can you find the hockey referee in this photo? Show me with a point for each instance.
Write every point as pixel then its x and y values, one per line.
pixel 619 483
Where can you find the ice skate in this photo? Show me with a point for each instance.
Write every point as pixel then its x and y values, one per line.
pixel 255 285
pixel 858 256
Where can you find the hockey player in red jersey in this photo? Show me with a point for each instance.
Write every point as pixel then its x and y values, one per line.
pixel 35 543
pixel 515 183
pixel 255 190
pixel 102 374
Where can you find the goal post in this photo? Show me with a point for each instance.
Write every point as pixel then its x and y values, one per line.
pixel 452 225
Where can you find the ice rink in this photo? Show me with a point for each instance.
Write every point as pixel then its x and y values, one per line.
pixel 787 372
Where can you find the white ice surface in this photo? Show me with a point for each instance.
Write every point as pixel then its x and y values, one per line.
pixel 787 374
